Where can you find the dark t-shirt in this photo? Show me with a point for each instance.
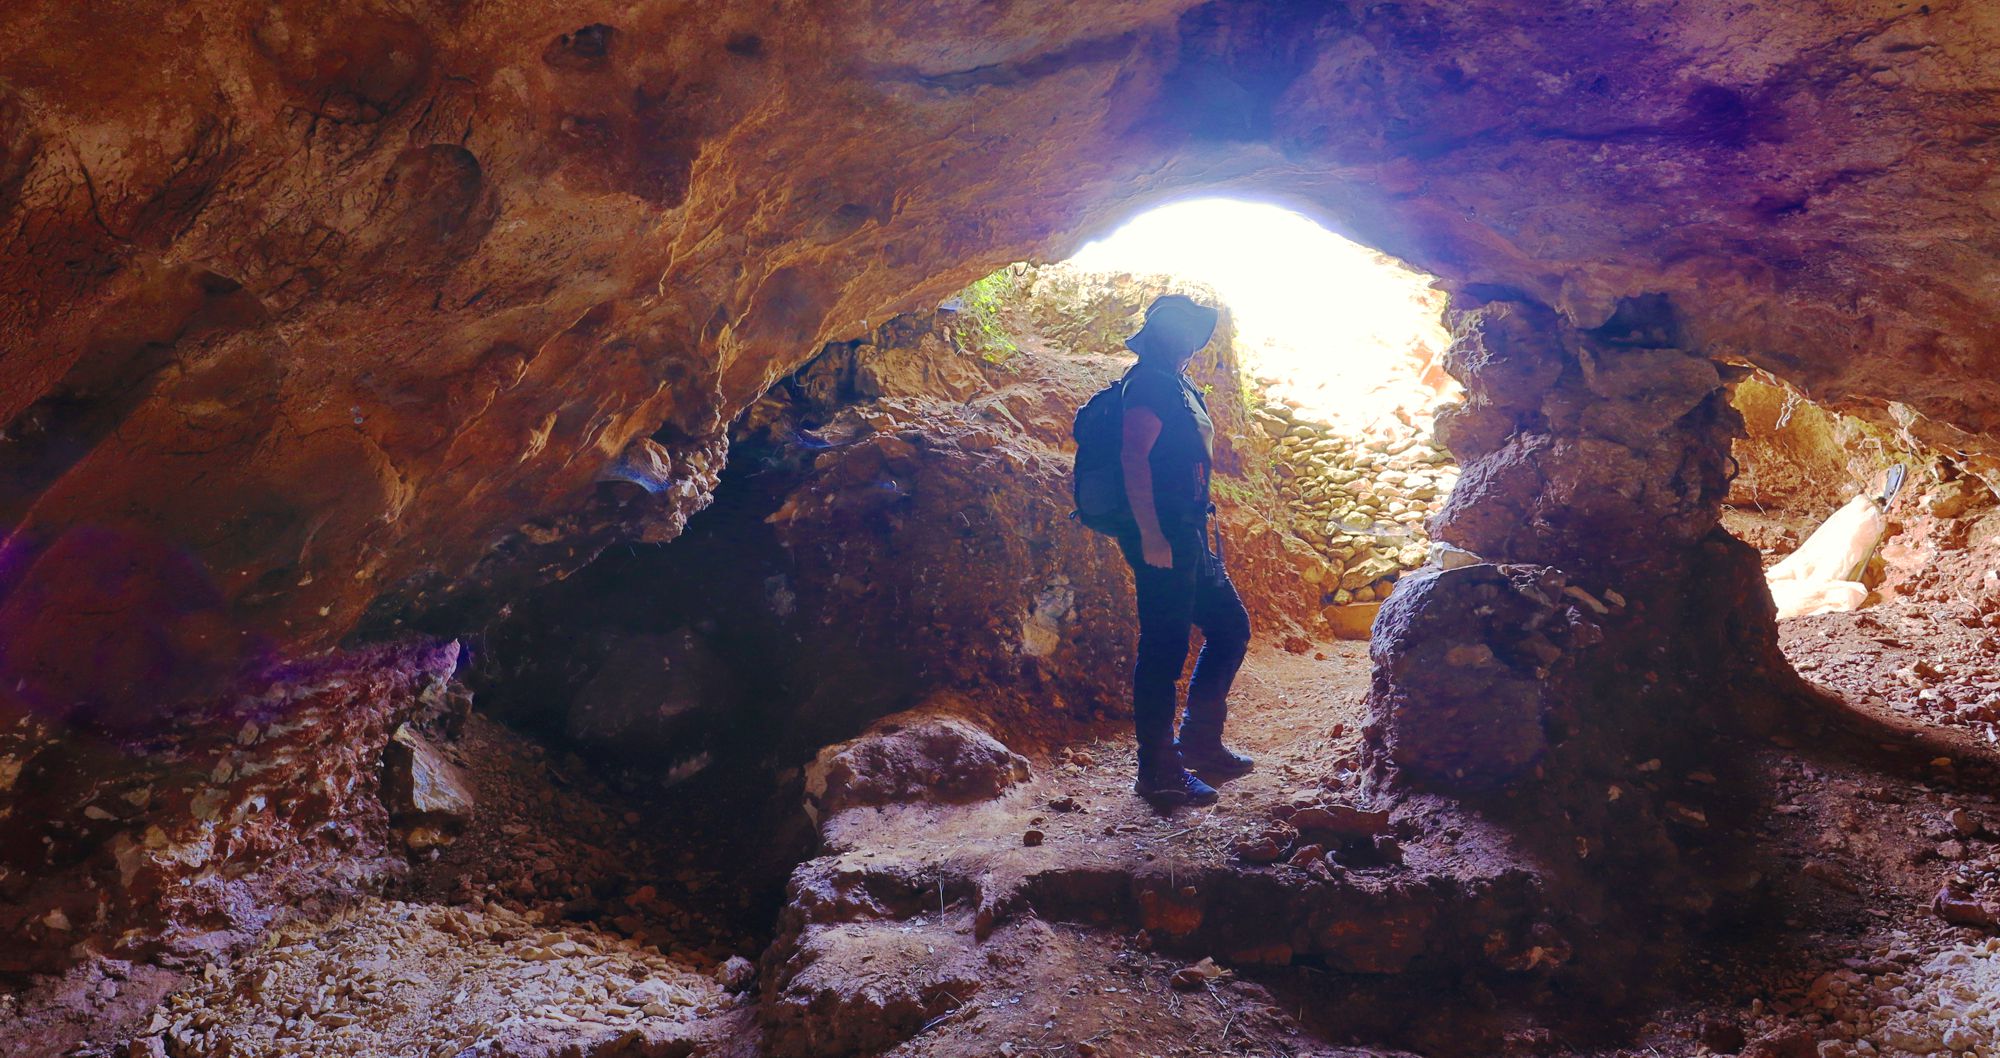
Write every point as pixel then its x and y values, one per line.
pixel 1181 456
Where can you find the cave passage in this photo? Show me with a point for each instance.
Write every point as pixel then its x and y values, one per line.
pixel 846 764
pixel 518 538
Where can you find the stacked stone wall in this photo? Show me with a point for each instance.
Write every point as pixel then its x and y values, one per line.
pixel 1361 502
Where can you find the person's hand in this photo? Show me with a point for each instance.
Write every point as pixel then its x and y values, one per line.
pixel 1157 551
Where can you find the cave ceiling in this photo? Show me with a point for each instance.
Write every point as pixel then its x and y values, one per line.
pixel 307 304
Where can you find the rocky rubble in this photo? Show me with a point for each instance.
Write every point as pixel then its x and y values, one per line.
pixel 122 843
pixel 1902 996
pixel 550 837
pixel 1952 679
pixel 1927 647
pixel 395 980
pixel 1358 468
pixel 559 921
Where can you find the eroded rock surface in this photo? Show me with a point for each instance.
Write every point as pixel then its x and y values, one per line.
pixel 213 826
pixel 1622 632
pixel 947 908
pixel 334 305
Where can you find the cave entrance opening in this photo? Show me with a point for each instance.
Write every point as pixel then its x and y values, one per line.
pixel 1340 353
pixel 1340 331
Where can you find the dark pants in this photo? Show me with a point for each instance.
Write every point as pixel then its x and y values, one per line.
pixel 1195 592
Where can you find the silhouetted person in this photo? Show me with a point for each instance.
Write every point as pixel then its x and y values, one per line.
pixel 1166 453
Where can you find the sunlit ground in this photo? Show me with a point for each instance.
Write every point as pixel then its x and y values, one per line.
pixel 1339 328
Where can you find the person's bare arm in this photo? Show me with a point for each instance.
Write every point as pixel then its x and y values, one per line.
pixel 1142 428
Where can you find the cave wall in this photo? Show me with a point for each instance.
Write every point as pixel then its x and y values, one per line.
pixel 329 305
pixel 1795 454
pixel 322 318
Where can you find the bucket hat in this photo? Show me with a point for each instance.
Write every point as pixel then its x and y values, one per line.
pixel 1174 323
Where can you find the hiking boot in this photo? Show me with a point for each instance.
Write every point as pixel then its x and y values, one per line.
pixel 1173 787
pixel 1204 753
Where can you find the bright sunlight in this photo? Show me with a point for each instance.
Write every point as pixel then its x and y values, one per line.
pixel 1335 327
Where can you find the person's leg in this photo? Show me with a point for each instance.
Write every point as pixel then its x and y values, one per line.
pixel 1166 613
pixel 1225 630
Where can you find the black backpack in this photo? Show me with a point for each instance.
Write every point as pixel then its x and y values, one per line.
pixel 1099 482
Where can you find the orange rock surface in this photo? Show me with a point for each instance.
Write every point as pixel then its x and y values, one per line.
pixel 330 308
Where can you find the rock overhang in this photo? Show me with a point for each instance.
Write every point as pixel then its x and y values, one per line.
pixel 411 281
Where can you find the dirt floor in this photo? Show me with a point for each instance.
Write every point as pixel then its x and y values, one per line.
pixel 1032 943
pixel 1853 958
pixel 570 921
pixel 1929 649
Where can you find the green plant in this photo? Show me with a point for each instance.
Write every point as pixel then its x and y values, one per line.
pixel 1237 493
pixel 981 305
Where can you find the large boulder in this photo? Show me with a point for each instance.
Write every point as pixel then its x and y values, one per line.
pixel 927 534
pixel 1465 665
pixel 923 757
pixel 428 794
